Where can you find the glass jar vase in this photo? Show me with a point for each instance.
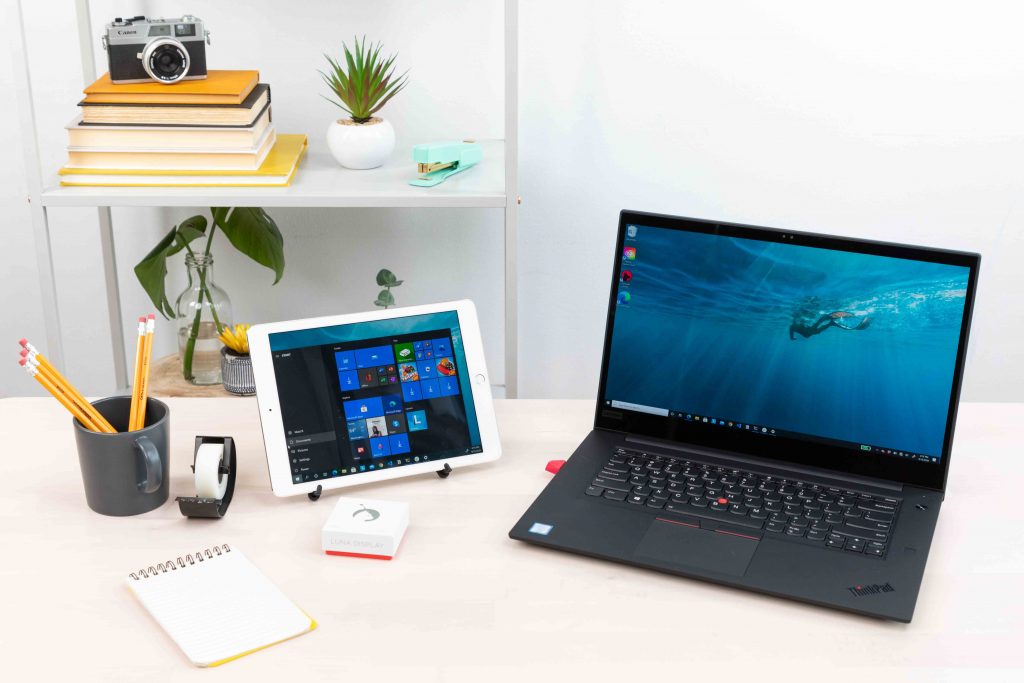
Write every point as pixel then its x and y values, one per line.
pixel 203 309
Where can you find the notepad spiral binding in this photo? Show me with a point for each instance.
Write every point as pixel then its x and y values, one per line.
pixel 174 565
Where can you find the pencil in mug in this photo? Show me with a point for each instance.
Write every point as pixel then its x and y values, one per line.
pixel 147 354
pixel 38 360
pixel 72 406
pixel 136 383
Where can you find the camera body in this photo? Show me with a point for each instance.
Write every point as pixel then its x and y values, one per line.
pixel 140 50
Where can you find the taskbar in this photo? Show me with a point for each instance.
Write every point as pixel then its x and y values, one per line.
pixel 766 430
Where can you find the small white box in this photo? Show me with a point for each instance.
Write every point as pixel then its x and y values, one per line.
pixel 360 527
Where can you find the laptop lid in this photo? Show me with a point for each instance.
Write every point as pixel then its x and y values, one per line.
pixel 837 353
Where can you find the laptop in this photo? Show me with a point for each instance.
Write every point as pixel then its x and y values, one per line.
pixel 775 412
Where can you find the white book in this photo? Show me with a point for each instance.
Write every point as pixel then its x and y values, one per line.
pixel 217 606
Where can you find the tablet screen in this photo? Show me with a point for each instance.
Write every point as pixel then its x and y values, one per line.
pixel 374 395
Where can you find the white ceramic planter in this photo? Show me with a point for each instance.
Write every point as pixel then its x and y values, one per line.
pixel 361 145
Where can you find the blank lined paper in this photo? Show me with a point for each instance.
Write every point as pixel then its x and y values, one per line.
pixel 221 608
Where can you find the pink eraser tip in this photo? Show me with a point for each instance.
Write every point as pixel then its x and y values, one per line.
pixel 142 318
pixel 22 361
pixel 23 342
pixel 152 316
pixel 24 352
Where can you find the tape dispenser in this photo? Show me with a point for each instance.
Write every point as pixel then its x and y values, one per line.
pixel 215 468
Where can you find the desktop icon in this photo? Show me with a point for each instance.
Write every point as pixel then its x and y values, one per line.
pixel 631 231
pixel 629 253
pixel 626 276
pixel 624 297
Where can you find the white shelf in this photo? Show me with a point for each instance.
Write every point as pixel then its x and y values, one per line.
pixel 319 182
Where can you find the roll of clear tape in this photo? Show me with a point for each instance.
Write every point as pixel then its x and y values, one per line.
pixel 210 483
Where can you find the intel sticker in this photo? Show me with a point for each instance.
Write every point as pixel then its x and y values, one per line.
pixel 542 529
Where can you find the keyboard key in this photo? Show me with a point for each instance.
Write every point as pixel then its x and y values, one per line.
pixel 878 516
pixel 636 500
pixel 854 547
pixel 615 495
pixel 614 476
pixel 737 509
pixel 656 503
pixel 775 527
pixel 860 533
pixel 877 552
pixel 794 531
pixel 594 490
pixel 642 490
pixel 699 502
pixel 613 485
pixel 834 543
pixel 660 494
pixel 758 513
pixel 638 480
pixel 866 524
pixel 813 535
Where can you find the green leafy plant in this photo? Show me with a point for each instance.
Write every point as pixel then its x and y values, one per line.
pixel 249 229
pixel 387 280
pixel 368 83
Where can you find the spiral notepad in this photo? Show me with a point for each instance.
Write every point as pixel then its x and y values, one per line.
pixel 217 606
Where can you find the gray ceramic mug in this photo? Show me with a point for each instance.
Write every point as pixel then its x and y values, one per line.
pixel 126 473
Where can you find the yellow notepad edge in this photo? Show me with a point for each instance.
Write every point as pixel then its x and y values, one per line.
pixel 312 627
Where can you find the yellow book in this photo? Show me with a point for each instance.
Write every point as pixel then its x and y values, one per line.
pixel 219 87
pixel 217 606
pixel 178 113
pixel 175 160
pixel 277 170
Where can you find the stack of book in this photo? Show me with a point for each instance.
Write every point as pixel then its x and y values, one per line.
pixel 212 132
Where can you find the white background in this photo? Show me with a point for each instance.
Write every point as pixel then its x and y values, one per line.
pixel 896 121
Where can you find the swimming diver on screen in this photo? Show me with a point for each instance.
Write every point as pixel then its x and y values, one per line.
pixel 833 319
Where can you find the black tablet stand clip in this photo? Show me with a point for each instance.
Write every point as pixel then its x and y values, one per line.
pixel 315 495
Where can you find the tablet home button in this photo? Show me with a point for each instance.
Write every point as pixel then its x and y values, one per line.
pixel 480 379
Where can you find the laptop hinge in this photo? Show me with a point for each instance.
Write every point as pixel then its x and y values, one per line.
pixel 784 469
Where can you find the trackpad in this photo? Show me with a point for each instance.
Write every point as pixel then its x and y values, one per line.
pixel 687 546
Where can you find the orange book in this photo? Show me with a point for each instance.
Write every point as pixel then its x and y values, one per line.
pixel 219 87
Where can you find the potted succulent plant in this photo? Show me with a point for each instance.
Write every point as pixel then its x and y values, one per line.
pixel 235 361
pixel 365 84
pixel 203 310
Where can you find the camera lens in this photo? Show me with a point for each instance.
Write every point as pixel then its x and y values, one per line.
pixel 165 60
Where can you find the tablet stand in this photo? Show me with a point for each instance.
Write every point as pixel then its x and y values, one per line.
pixel 315 495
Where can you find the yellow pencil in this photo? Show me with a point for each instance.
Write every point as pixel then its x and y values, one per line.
pixel 57 394
pixel 136 383
pixel 36 358
pixel 147 354
pixel 81 405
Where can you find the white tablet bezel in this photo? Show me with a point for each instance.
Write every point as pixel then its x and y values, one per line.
pixel 270 409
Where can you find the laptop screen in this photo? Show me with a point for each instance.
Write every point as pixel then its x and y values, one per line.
pixel 785 345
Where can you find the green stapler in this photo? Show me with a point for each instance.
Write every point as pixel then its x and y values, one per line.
pixel 436 161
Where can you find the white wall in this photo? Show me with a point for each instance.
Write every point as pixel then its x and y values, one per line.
pixel 889 121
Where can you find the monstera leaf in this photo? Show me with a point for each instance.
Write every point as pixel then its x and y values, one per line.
pixel 254 233
pixel 152 270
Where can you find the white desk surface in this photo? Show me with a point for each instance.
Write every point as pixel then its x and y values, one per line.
pixel 463 602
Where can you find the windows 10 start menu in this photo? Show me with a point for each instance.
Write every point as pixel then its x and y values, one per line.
pixel 369 405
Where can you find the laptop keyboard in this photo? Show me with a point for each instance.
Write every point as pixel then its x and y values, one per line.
pixel 801 511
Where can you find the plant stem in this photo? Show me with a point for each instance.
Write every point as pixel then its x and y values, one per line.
pixel 190 344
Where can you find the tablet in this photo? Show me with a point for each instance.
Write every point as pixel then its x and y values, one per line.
pixel 351 399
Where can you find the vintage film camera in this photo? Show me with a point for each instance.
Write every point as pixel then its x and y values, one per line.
pixel 162 50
